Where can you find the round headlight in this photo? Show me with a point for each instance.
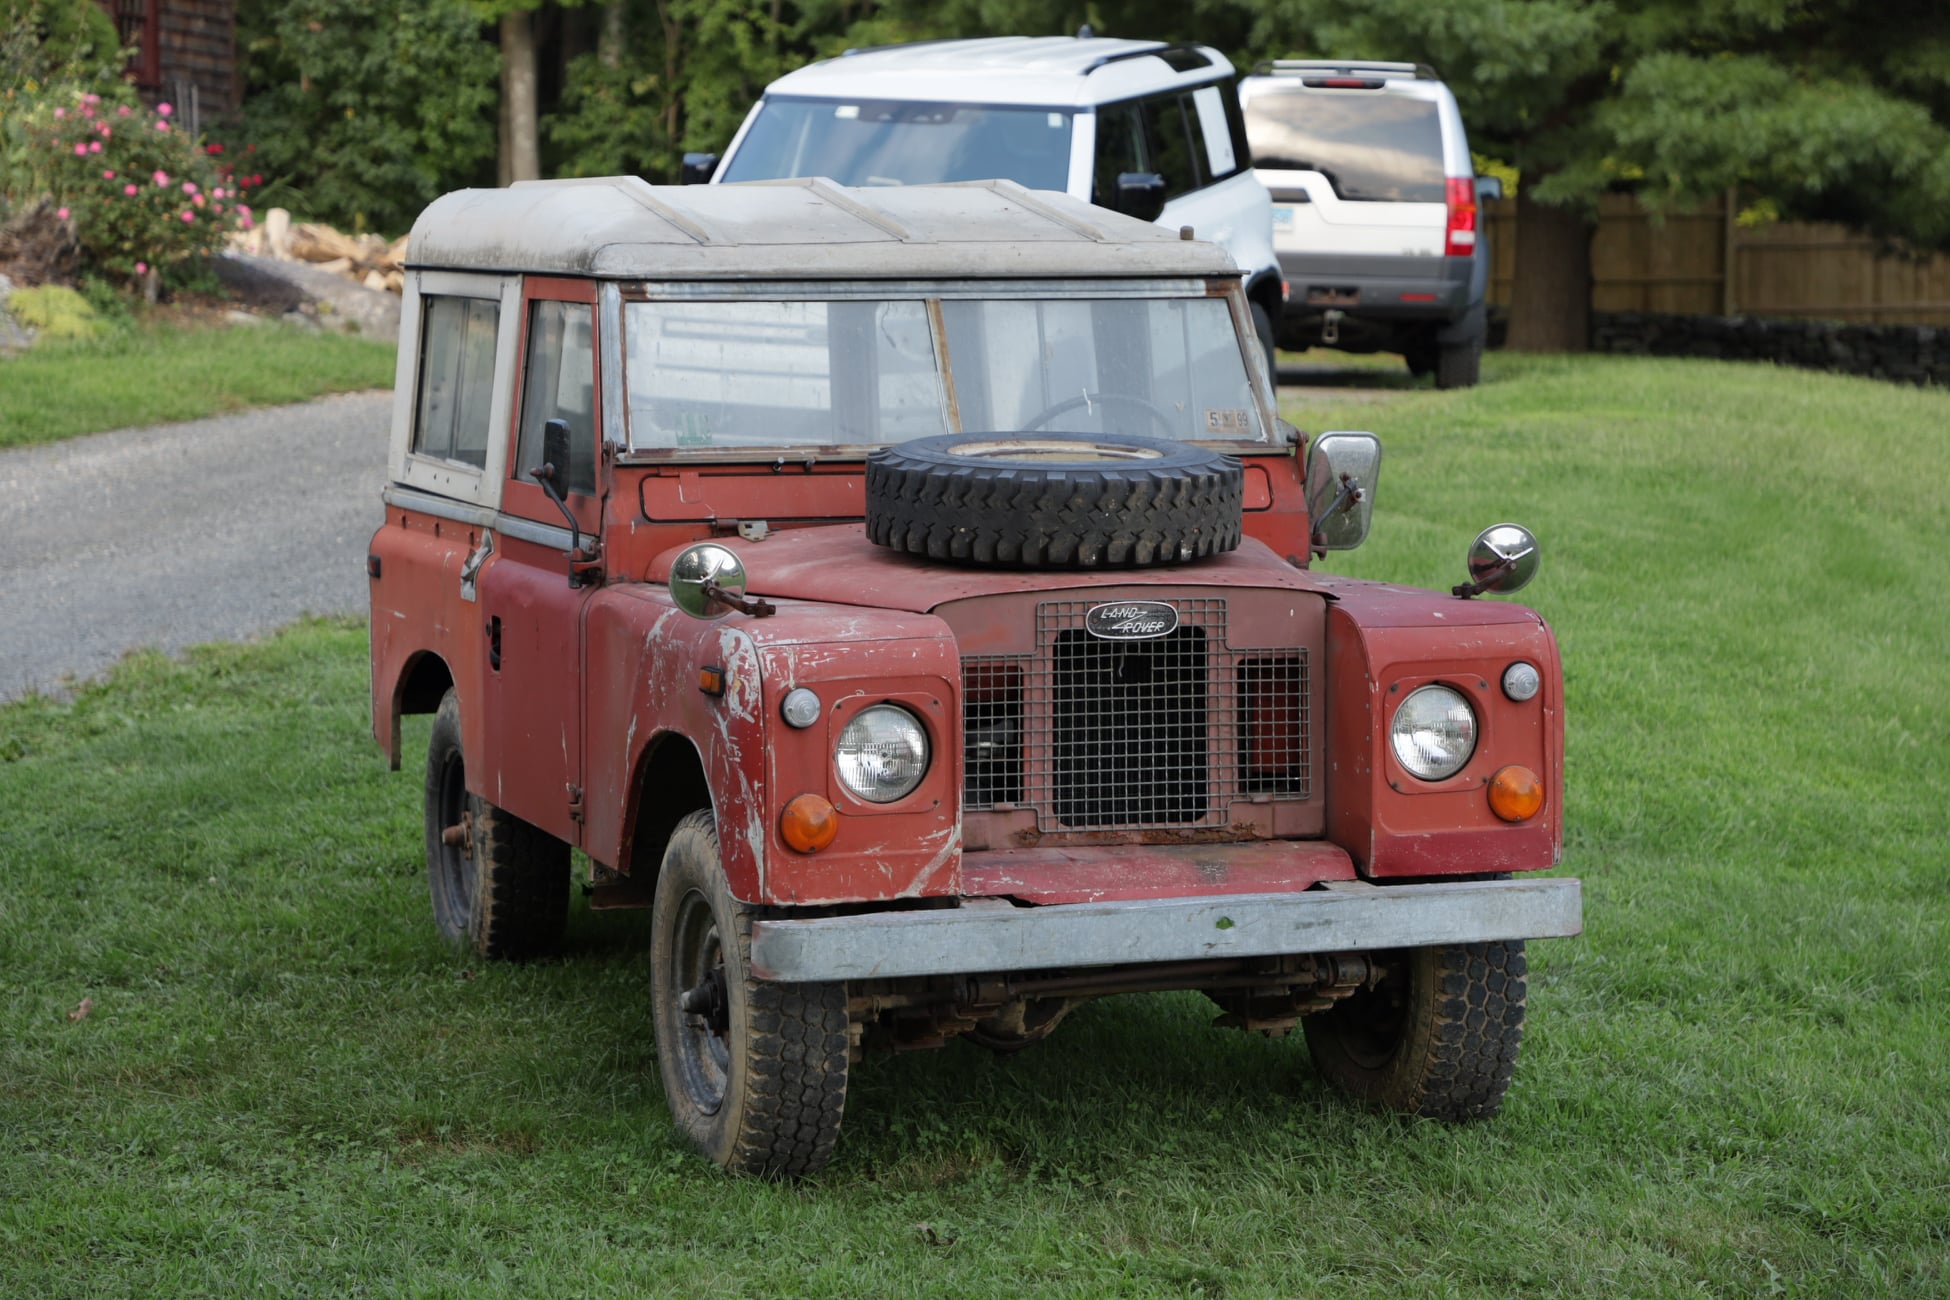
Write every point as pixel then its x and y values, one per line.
pixel 1434 732
pixel 1520 681
pixel 882 754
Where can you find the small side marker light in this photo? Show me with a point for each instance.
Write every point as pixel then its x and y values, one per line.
pixel 1515 793
pixel 711 680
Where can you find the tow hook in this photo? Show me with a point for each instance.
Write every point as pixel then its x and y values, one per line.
pixel 1330 326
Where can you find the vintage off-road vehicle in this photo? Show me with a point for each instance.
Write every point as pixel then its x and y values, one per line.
pixel 904 593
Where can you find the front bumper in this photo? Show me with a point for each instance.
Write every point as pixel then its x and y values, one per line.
pixel 993 935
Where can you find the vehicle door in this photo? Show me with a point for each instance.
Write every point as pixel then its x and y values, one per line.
pixel 533 613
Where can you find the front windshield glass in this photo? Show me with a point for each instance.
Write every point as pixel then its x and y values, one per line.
pixel 797 374
pixel 894 142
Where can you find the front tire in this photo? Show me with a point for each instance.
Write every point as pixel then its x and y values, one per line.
pixel 1437 1036
pixel 500 886
pixel 754 1071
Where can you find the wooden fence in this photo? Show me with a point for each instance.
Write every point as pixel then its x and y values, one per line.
pixel 1680 265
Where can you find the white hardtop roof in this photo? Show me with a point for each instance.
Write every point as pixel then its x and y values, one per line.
pixel 1051 71
pixel 622 228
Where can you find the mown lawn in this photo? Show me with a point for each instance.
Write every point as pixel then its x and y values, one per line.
pixel 158 372
pixel 1737 1083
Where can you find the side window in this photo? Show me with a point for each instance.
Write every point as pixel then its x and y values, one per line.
pixel 456 378
pixel 560 384
pixel 1215 131
pixel 1170 141
pixel 1120 148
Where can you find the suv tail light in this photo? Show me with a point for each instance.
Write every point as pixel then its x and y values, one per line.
pixel 1460 240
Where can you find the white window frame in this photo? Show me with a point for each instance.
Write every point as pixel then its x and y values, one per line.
pixel 447 478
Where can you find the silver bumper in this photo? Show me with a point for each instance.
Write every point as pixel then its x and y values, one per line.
pixel 993 935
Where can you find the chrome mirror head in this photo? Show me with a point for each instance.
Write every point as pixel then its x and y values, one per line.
pixel 1342 469
pixel 1503 558
pixel 700 574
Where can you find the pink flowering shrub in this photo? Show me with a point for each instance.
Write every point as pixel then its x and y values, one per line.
pixel 85 151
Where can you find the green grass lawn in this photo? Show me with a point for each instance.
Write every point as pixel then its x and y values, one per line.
pixel 1736 1083
pixel 156 373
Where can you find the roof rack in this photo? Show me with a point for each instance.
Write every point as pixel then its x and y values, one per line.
pixel 1347 68
pixel 1184 50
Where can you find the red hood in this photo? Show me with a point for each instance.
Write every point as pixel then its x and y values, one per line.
pixel 837 564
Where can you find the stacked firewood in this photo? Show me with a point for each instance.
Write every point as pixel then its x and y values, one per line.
pixel 366 259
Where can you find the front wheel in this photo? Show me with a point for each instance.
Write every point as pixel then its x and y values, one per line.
pixel 1436 1036
pixel 754 1072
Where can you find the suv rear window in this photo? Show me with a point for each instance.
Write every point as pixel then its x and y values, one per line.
pixel 894 142
pixel 1370 147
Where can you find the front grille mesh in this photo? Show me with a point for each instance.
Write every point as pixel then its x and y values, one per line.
pixel 1095 734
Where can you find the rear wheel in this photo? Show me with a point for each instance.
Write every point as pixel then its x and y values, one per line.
pixel 1437 1036
pixel 499 885
pixel 1459 365
pixel 754 1072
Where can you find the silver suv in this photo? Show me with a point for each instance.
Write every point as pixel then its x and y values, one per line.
pixel 1374 211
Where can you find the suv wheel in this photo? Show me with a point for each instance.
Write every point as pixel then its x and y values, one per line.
pixel 499 885
pixel 1437 1036
pixel 1460 365
pixel 754 1072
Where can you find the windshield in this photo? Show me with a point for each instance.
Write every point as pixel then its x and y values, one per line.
pixel 894 142
pixel 1371 148
pixel 809 374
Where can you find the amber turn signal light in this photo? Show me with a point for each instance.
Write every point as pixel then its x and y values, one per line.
pixel 1515 793
pixel 809 823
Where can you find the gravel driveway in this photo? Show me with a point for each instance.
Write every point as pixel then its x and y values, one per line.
pixel 215 530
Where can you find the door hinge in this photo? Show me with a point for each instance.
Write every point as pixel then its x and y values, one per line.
pixel 575 804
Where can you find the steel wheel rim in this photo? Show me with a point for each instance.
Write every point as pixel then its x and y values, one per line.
pixel 1372 1022
pixel 703 1050
pixel 457 865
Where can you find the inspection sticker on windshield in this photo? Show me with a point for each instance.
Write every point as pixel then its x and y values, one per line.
pixel 1227 420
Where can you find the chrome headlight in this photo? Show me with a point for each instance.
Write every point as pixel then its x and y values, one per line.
pixel 1434 732
pixel 882 754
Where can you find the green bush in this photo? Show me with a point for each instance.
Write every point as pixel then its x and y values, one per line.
pixel 57 312
pixel 142 194
pixel 49 42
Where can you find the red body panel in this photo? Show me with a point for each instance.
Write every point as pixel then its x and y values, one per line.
pixel 1384 641
pixel 417 611
pixel 1091 875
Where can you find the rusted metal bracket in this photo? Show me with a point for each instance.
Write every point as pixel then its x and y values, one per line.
pixel 756 606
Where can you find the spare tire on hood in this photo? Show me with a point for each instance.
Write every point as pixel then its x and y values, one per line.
pixel 1051 500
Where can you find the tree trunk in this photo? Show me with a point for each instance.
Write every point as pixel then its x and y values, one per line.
pixel 609 37
pixel 1550 300
pixel 524 153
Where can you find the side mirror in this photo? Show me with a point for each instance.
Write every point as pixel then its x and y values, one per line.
pixel 698 168
pixel 1502 559
pixel 1342 469
pixel 1140 195
pixel 1488 187
pixel 551 474
pixel 707 581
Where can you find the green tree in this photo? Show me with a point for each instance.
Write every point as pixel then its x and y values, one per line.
pixel 369 117
pixel 1826 109
pixel 45 42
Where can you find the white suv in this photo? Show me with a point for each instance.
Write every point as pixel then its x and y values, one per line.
pixel 1374 211
pixel 1149 129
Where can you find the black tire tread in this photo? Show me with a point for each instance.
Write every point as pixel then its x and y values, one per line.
pixel 1054 518
pixel 1459 1044
pixel 1459 366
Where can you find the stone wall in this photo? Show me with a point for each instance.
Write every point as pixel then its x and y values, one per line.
pixel 1910 354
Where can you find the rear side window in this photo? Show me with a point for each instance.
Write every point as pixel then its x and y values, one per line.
pixel 456 378
pixel 1169 136
pixel 1371 147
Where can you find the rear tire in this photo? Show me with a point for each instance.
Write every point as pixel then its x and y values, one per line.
pixel 502 888
pixel 1459 367
pixel 1437 1037
pixel 755 1076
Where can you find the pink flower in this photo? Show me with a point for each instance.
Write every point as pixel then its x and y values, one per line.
pixel 142 268
pixel 94 146
pixel 109 175
pixel 105 129
pixel 91 98
pixel 162 126
pixel 198 200
pixel 87 110
pixel 189 187
pixel 188 215
pixel 244 208
pixel 216 207
pixel 245 221
pixel 163 110
pixel 122 111
pixel 60 214
pixel 216 192
pixel 81 148
pixel 162 178
pixel 60 113
pixel 129 190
